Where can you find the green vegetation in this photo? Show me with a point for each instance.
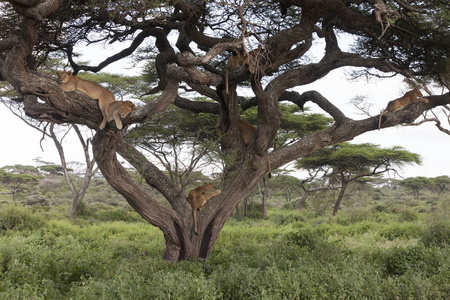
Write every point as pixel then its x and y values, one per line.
pixel 387 242
pixel 384 249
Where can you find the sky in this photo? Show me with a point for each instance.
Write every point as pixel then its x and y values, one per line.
pixel 21 144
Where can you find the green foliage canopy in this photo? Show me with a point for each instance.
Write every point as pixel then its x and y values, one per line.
pixel 357 158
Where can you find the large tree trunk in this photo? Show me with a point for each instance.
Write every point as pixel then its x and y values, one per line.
pixel 176 223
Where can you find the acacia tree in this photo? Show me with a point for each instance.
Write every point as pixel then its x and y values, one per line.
pixel 14 177
pixel 346 163
pixel 189 41
pixel 441 183
pixel 312 184
pixel 416 184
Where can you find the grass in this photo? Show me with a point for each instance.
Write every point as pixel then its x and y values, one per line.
pixel 364 253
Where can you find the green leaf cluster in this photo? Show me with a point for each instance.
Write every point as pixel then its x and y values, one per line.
pixel 357 158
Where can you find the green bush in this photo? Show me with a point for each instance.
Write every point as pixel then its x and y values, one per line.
pixel 437 234
pixel 401 230
pixel 271 258
pixel 118 214
pixel 315 242
pixel 304 238
pixel 407 216
pixel 285 218
pixel 380 208
pixel 14 217
pixel 254 210
pixel 397 261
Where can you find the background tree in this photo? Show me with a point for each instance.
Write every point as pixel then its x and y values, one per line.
pixel 14 177
pixel 48 130
pixel 416 184
pixel 90 170
pixel 182 142
pixel 314 184
pixel 288 185
pixel 442 183
pixel 204 33
pixel 349 162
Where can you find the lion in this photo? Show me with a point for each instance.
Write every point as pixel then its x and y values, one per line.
pixel 116 110
pixel 247 130
pixel 198 197
pixel 410 97
pixel 240 59
pixel 93 90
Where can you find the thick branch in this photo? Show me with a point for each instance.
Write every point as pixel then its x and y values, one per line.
pixel 157 106
pixel 35 9
pixel 138 40
pixel 323 103
pixel 349 129
pixel 152 175
pixel 104 146
pixel 197 106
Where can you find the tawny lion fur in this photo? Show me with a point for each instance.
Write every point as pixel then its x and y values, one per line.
pixel 71 82
pixel 240 59
pixel 400 103
pixel 247 130
pixel 119 109
pixel 198 197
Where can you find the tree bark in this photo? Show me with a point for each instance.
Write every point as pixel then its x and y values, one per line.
pixel 244 205
pixel 301 204
pixel 238 212
pixel 340 196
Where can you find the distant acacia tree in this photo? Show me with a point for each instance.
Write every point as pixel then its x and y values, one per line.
pixel 416 184
pixel 14 177
pixel 348 162
pixel 289 185
pixel 442 183
pixel 187 44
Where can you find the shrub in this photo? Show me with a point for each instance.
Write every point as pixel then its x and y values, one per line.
pixel 19 218
pixel 315 242
pixel 437 234
pixel 36 200
pixel 399 230
pixel 359 214
pixel 416 258
pixel 254 210
pixel 380 208
pixel 286 218
pixel 303 238
pixel 118 214
pixel 407 216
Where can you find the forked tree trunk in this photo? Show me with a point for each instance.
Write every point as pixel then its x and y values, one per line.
pixel 176 223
